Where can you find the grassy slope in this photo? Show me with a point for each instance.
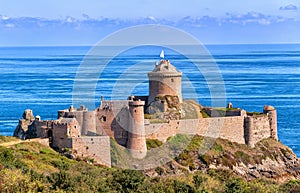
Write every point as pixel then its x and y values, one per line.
pixel 31 167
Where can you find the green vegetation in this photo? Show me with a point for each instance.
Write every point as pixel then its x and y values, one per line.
pixel 32 167
pixel 153 143
pixel 204 114
pixel 225 109
pixel 4 139
pixel 254 113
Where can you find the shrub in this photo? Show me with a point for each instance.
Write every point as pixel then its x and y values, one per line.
pixel 218 148
pixel 291 186
pixel 198 180
pixel 60 164
pixel 61 180
pixel 181 187
pixel 153 143
pixel 237 185
pixel 127 180
pixel 8 159
pixel 159 170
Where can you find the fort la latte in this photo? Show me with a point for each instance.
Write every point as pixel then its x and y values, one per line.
pixel 162 114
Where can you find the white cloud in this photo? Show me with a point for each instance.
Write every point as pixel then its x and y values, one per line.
pixel 70 20
pixel 3 17
pixel 289 7
pixel 9 25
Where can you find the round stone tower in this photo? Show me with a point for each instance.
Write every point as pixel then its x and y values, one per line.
pixel 272 116
pixel 136 130
pixel 164 80
pixel 89 123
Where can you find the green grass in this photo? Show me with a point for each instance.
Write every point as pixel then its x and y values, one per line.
pixel 204 114
pixel 4 139
pixel 254 113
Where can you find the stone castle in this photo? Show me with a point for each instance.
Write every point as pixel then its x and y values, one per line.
pixel 162 114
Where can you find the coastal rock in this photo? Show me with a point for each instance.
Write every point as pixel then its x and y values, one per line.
pixel 26 127
pixel 270 159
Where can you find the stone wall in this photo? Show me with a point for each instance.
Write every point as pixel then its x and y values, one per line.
pixel 112 120
pixel 94 147
pixel 257 127
pixel 42 128
pixel 60 139
pixel 231 128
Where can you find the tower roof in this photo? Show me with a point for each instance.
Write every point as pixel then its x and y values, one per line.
pixel 165 66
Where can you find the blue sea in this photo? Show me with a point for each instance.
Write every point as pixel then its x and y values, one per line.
pixel 42 79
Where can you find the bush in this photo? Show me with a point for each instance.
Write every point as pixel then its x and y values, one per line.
pixel 182 187
pixel 237 185
pixel 61 180
pixel 198 180
pixel 127 180
pixel 60 164
pixel 291 186
pixel 153 143
pixel 8 159
pixel 218 148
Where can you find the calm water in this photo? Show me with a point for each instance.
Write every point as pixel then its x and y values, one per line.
pixel 41 78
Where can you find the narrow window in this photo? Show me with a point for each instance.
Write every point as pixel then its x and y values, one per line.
pixel 104 118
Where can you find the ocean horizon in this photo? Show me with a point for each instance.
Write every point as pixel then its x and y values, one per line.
pixel 41 78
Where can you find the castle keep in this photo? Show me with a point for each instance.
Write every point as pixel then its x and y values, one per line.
pixel 162 114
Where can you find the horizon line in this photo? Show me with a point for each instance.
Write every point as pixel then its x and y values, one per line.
pixel 205 44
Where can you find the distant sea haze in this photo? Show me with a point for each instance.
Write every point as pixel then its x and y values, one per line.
pixel 41 78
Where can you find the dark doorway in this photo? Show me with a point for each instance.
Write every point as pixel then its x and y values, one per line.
pixel 50 136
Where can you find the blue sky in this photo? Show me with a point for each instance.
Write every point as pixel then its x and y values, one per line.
pixel 67 22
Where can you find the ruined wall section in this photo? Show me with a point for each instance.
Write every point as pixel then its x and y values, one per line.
pixel 93 147
pixel 60 138
pixel 43 127
pixel 68 127
pixel 112 120
pixel 257 127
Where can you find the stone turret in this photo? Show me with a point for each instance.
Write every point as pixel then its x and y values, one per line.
pixel 164 80
pixel 270 111
pixel 89 123
pixel 136 130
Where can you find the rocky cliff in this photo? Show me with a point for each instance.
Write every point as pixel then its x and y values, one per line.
pixel 269 159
